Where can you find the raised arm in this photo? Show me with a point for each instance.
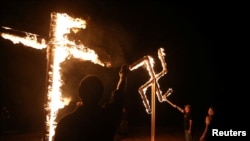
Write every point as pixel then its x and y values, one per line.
pixel 123 75
pixel 118 92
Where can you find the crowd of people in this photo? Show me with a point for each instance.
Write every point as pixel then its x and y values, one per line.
pixel 91 119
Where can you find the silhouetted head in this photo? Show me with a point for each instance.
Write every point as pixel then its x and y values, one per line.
pixel 91 90
pixel 211 111
pixel 187 108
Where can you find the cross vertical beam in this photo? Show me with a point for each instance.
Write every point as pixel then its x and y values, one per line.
pixel 49 78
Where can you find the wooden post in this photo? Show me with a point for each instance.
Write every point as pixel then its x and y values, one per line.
pixel 153 111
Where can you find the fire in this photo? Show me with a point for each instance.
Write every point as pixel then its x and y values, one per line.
pixel 148 62
pixel 59 48
pixel 30 39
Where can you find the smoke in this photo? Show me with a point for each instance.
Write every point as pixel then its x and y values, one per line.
pixel 110 41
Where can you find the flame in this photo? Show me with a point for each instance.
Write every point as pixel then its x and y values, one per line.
pixel 148 62
pixel 63 48
pixel 59 48
pixel 30 40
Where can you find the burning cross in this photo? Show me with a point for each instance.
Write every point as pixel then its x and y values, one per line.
pixel 149 62
pixel 58 48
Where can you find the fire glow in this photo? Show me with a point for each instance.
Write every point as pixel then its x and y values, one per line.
pixel 148 62
pixel 29 39
pixel 59 48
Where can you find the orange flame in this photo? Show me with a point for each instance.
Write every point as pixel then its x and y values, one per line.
pixel 148 61
pixel 59 48
pixel 61 25
pixel 30 39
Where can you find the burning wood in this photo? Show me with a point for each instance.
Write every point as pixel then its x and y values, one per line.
pixel 59 48
pixel 25 38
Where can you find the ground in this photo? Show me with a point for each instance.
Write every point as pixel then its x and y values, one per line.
pixel 135 134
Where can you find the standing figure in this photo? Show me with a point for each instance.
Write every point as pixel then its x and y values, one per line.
pixel 122 128
pixel 113 108
pixel 209 125
pixel 188 122
pixel 92 121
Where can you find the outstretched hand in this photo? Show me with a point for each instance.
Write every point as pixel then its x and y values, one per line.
pixel 121 83
pixel 123 74
pixel 124 70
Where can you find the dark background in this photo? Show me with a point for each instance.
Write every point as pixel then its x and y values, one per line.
pixel 204 48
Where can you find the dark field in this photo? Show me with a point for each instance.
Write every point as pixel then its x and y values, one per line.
pixel 135 134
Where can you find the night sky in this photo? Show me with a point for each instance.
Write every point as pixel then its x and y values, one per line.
pixel 202 41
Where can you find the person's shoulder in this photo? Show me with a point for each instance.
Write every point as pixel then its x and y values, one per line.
pixel 208 118
pixel 63 120
pixel 67 117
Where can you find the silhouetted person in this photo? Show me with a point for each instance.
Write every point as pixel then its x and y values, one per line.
pixel 122 128
pixel 209 125
pixel 92 121
pixel 188 122
pixel 113 109
pixel 67 109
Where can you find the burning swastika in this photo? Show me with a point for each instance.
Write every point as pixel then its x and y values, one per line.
pixel 149 63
